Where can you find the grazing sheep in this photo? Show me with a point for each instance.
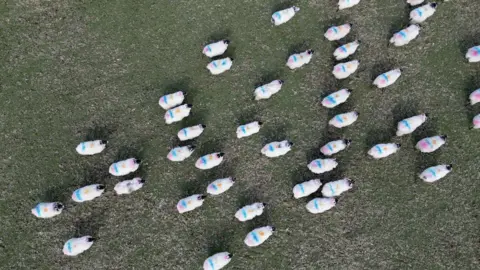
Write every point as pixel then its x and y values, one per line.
pixel 129 186
pixel 473 54
pixel 190 133
pixel 319 166
pixel 346 50
pixel 420 14
pixel 219 186
pixel 181 153
pixel 336 98
pixel 387 78
pixel 124 167
pixel 91 147
pixel 283 16
pixel 47 210
pixel 88 193
pixel 216 48
pixel 299 59
pixel 435 173
pixel 250 211
pixel 75 246
pixel 209 161
pixel 217 261
pixel 219 66
pixel 320 205
pixel 338 32
pixel 383 150
pixel 476 122
pixel 306 188
pixel 335 188
pixel 178 113
pixel 190 203
pixel 344 70
pixel 267 90
pixel 334 147
pixel 344 119
pixel 430 144
pixel 258 236
pixel 475 97
pixel 406 35
pixel 415 2
pixel 171 100
pixel 276 149
pixel 248 129
pixel 343 4
pixel 408 125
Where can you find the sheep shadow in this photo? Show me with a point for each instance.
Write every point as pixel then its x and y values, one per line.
pixel 382 67
pixel 191 187
pixel 89 225
pixel 282 5
pixel 219 35
pixel 135 151
pixel 400 22
pixel 403 110
pixel 95 175
pixel 268 77
pixel 211 146
pixel 274 133
pixel 224 170
pixel 259 221
pixel 248 115
pixel 467 42
pixel 471 85
pixel 248 197
pixel 197 116
pixel 58 193
pixel 379 135
pixel 219 239
pixel 297 48
pixel 183 85
pixel 99 132
pixel 333 175
pixel 301 174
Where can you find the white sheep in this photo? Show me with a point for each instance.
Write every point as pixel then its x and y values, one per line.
pixel 344 119
pixel 476 122
pixel 283 16
pixel 383 150
pixel 338 32
pixel 268 90
pixel 249 212
pixel 299 59
pixel 306 188
pixel 88 193
pixel 91 147
pixel 276 149
pixel 344 70
pixel 181 153
pixel 406 35
pixel 124 167
pixel 171 100
pixel 258 236
pixel 430 144
pixel 190 133
pixel 48 209
pixel 475 97
pixel 209 161
pixel 216 48
pixel 219 186
pixel 415 2
pixel 319 166
pixel 248 129
pixel 190 203
pixel 346 50
pixel 387 78
pixel 473 54
pixel 178 113
pixel 129 186
pixel 336 98
pixel 217 261
pixel 435 173
pixel 335 188
pixel 408 125
pixel 343 4
pixel 219 66
pixel 334 147
pixel 75 246
pixel 420 14
pixel 320 205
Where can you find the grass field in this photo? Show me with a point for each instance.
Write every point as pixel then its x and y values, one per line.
pixel 95 69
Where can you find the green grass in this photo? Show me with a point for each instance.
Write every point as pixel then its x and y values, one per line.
pixel 78 69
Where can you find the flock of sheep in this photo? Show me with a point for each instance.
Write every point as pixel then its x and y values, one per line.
pixel 176 112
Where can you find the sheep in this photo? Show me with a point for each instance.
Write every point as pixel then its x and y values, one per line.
pixel 190 133
pixel 75 246
pixel 258 236
pixel 406 35
pixel 336 98
pixel 219 66
pixel 178 113
pixel 430 144
pixel 476 122
pixel 47 209
pixel 181 153
pixel 276 149
pixel 383 150
pixel 248 129
pixel 415 2
pixel 346 50
pixel 190 203
pixel 217 261
pixel 334 147
pixel 219 186
pixel 319 166
pixel 475 96
pixel 387 78
pixel 268 90
pixel 420 14
pixel 88 193
pixel 344 119
pixel 435 173
pixel 306 188
pixel 344 70
pixel 124 167
pixel 299 59
pixel 338 32
pixel 249 212
pixel 283 16
pixel 91 147
pixel 216 48
pixel 335 188
pixel 129 186
pixel 343 4
pixel 408 125
pixel 171 100
pixel 320 205
pixel 209 161
pixel 473 54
